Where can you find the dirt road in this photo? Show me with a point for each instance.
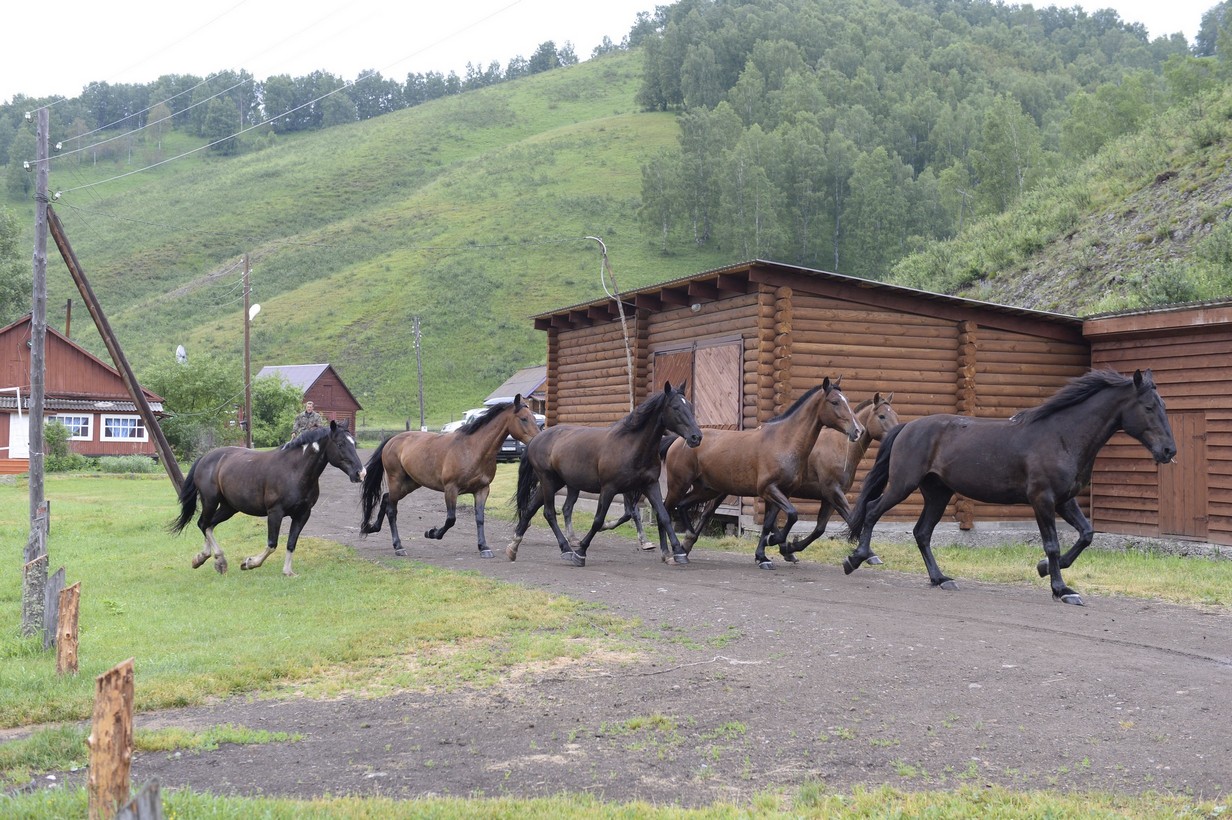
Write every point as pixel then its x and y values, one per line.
pixel 753 679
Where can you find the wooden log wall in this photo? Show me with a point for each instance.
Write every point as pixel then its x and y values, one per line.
pixel 1190 367
pixel 733 317
pixel 589 383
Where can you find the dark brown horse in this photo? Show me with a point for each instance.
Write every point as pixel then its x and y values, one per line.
pixel 1041 457
pixel 766 462
pixel 454 463
pixel 832 467
pixel 277 484
pixel 610 461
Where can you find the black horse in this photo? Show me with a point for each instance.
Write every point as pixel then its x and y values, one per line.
pixel 1042 457
pixel 610 461
pixel 282 483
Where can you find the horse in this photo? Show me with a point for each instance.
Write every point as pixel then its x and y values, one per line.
pixel 832 466
pixel 622 458
pixel 631 513
pixel 277 484
pixel 454 463
pixel 764 462
pixel 1041 457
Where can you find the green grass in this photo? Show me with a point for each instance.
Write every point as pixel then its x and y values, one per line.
pixel 810 800
pixel 196 635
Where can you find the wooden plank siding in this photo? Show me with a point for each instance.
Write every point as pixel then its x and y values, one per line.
pixel 1190 361
pixel 589 383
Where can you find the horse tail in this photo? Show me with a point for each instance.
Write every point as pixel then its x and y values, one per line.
pixel 874 484
pixel 528 482
pixel 188 500
pixel 372 489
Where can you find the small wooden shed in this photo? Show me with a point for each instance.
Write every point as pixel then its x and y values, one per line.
pixel 1189 350
pixel 530 383
pixel 81 391
pixel 322 386
pixel 753 337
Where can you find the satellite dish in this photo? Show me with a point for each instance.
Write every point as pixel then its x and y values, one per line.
pixel 253 311
pixel 181 355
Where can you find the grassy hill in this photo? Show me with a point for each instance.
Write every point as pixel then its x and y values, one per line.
pixel 469 212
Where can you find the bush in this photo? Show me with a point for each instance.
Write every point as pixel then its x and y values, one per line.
pixel 127 464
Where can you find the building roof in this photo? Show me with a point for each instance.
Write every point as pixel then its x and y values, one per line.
pixel 302 376
pixel 524 382
pixel 8 401
pixel 735 279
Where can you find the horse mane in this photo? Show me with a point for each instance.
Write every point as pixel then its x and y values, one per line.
pixel 861 405
pixel 1075 392
pixel 312 434
pixel 796 406
pixel 643 414
pixel 480 420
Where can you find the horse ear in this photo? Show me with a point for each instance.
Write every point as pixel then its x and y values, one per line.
pixel 825 384
pixel 1138 378
pixel 889 398
pixel 517 402
pixel 682 386
pixel 877 399
pixel 333 425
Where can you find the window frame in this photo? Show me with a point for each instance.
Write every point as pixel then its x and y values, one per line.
pixel 88 418
pixel 104 434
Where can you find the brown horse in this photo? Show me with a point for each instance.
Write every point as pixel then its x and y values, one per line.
pixel 620 459
pixel 1041 457
pixel 832 467
pixel 766 462
pixel 454 463
pixel 278 484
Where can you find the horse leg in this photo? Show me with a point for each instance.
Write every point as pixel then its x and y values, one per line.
pixel 936 498
pixel 667 534
pixel 511 551
pixel 766 537
pixel 1072 513
pixel 776 500
pixel 694 531
pixel 1044 516
pixel 481 501
pixel 549 514
pixel 297 524
pixel 800 544
pixel 273 522
pixel 451 514
pixel 605 501
pixel 389 509
pixel 893 495
pixel 633 510
pixel 566 512
pixel 218 513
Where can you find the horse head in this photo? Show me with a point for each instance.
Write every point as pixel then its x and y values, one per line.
pixel 1145 418
pixel 835 412
pixel 521 423
pixel 881 417
pixel 340 451
pixel 678 414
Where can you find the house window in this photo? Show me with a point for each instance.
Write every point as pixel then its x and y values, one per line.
pixel 124 428
pixel 78 426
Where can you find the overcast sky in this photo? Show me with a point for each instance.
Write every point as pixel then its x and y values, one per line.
pixel 67 44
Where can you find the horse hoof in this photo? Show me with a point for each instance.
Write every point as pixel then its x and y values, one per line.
pixel 789 555
pixel 849 566
pixel 511 554
pixel 949 584
pixel 1042 568
pixel 485 553
pixel 398 551
pixel 431 534
pixel 873 559
pixel 573 558
pixel 646 545
pixel 221 566
pixel 680 559
pixel 766 564
pixel 198 560
pixel 1071 598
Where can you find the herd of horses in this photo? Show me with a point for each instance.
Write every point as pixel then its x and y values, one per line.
pixel 1041 457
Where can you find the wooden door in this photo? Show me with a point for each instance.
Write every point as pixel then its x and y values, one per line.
pixel 718 376
pixel 673 366
pixel 1182 486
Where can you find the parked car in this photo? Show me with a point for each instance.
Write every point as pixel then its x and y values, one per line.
pixel 466 416
pixel 512 449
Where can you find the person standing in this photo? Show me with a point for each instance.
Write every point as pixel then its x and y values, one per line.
pixel 306 420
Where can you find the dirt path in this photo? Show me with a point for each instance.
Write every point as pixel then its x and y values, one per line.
pixel 766 679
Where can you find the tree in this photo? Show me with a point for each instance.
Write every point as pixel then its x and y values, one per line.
pixel 20 181
pixel 275 402
pixel 545 58
pixel 661 195
pixel 15 274
pixel 1009 158
pixel 201 396
pixel 220 126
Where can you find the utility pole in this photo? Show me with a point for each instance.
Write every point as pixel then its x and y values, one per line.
pixel 34 578
pixel 247 360
pixel 419 370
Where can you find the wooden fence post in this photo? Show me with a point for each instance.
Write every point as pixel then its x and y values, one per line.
pixel 66 629
pixel 111 741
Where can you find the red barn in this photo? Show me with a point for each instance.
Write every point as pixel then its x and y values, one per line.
pixel 81 391
pixel 322 386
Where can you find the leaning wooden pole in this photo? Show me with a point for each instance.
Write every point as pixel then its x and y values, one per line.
pixel 113 347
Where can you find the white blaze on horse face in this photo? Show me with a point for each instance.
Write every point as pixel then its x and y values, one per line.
pixel 351 440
